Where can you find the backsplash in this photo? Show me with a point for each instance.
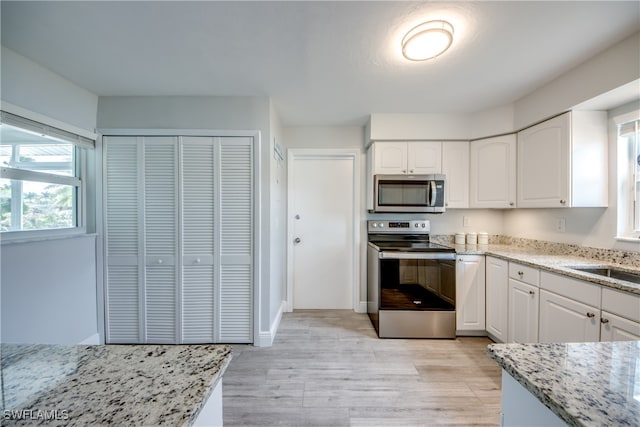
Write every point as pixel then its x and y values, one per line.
pixel 552 248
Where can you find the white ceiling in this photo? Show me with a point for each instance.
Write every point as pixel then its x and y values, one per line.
pixel 323 63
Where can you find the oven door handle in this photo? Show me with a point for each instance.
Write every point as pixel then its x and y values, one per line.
pixel 417 255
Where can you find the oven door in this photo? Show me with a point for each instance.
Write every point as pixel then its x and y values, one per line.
pixel 417 280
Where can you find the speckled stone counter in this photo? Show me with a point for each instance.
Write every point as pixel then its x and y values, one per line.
pixel 585 384
pixel 113 384
pixel 559 258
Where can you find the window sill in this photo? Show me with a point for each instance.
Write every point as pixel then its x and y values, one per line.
pixel 9 238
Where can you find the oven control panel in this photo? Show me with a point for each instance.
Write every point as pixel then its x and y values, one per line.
pixel 379 226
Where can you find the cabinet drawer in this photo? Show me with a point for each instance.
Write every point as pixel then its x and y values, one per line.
pixel 621 303
pixel 524 273
pixel 578 290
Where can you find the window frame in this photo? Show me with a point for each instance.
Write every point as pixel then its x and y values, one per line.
pixel 628 206
pixel 31 122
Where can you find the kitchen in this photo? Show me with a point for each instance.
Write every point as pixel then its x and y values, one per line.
pixel 33 81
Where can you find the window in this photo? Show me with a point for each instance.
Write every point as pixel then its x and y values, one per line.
pixel 629 179
pixel 40 178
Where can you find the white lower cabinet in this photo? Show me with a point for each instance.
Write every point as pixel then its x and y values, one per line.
pixel 620 319
pixel 616 328
pixel 470 294
pixel 565 320
pixel 527 305
pixel 523 312
pixel 497 289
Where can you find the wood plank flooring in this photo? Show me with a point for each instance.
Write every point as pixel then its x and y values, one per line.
pixel 328 368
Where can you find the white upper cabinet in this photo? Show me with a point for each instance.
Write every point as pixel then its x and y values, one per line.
pixel 492 181
pixel 562 162
pixel 416 157
pixel 455 166
pixel 389 158
pixel 424 157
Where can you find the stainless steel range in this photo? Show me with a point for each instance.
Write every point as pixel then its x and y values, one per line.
pixel 411 282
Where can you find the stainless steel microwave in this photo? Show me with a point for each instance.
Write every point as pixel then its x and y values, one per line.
pixel 409 193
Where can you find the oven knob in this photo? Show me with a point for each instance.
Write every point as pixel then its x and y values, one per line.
pixel 381 225
pixel 375 225
pixel 423 225
pixel 415 225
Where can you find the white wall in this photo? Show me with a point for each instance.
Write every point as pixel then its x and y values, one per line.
pixel 278 182
pixel 608 70
pixel 28 85
pixel 451 221
pixel 213 113
pixel 418 126
pixel 49 291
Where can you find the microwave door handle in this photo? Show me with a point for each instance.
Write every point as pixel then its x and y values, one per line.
pixel 432 192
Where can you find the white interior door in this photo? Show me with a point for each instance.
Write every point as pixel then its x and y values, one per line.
pixel 322 209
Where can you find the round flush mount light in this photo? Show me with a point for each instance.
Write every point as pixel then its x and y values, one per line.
pixel 427 40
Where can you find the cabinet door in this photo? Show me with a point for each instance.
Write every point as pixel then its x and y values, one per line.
pixel 199 323
pixel 497 284
pixel 123 247
pixel 543 164
pixel 565 320
pixel 616 328
pixel 161 239
pixel 236 239
pixel 470 293
pixel 390 158
pixel 523 312
pixel 455 166
pixel 492 168
pixel 424 157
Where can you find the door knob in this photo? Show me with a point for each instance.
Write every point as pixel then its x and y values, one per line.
pixel 297 240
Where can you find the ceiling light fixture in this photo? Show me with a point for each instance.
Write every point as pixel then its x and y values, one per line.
pixel 427 40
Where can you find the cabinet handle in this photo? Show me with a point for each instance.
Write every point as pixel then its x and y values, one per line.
pixel 511 203
pixel 532 293
pixel 197 260
pixel 159 261
pixel 411 171
pixel 520 273
pixel 604 321
pixel 404 171
pixel 563 201
pixel 591 315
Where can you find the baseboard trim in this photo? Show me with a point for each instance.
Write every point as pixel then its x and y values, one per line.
pixel 265 338
pixel 91 340
pixel 471 333
pixel 361 307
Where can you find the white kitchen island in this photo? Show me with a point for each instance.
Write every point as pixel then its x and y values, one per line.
pixel 113 384
pixel 577 384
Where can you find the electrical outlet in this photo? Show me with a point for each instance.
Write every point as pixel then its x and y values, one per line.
pixel 466 221
pixel 560 225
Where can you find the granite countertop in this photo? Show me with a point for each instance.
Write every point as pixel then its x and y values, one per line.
pixel 585 384
pixel 554 262
pixel 109 384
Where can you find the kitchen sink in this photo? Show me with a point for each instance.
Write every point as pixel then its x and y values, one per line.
pixel 614 273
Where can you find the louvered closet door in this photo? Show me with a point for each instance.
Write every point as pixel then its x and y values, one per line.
pixel 198 218
pixel 236 239
pixel 161 239
pixel 122 218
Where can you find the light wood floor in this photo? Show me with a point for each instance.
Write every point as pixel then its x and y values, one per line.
pixel 328 368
